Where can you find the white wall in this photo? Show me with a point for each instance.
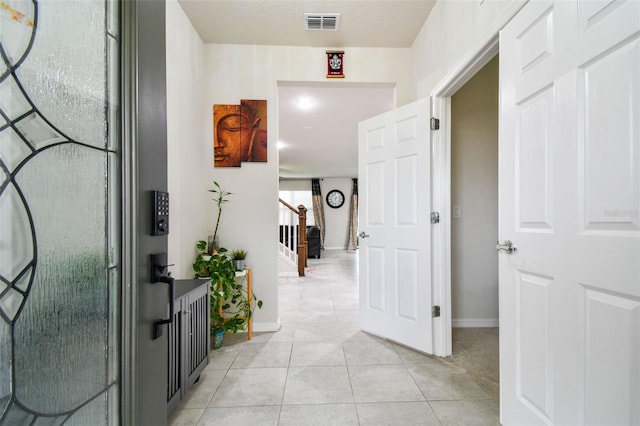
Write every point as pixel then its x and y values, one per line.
pixel 474 190
pixel 188 162
pixel 336 220
pixel 295 185
pixel 449 32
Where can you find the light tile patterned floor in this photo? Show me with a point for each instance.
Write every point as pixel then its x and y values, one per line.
pixel 320 369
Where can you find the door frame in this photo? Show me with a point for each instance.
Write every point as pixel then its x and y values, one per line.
pixel 129 208
pixel 460 73
pixel 143 148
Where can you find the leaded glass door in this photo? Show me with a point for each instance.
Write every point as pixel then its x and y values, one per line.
pixel 59 212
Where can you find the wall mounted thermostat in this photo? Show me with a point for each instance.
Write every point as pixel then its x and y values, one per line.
pixel 160 213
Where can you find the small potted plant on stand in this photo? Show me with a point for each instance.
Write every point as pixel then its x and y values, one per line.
pixel 231 308
pixel 239 257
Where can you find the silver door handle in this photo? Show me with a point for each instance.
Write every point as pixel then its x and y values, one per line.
pixel 506 246
pixel 362 234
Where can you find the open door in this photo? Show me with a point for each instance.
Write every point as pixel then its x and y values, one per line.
pixel 569 165
pixel 394 170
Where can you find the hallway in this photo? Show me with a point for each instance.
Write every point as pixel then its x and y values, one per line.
pixel 320 369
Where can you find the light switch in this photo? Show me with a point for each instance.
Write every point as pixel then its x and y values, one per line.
pixel 456 211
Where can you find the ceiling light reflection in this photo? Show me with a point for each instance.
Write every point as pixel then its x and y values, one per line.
pixel 305 103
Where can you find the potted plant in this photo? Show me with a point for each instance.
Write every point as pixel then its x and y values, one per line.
pixel 201 264
pixel 223 277
pixel 231 308
pixel 239 257
pixel 217 329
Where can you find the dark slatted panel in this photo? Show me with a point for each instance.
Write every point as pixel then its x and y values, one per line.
pixel 174 377
pixel 188 341
pixel 199 332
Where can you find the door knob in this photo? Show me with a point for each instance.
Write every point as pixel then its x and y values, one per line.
pixel 362 234
pixel 506 246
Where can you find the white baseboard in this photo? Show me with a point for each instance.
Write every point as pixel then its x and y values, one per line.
pixel 262 327
pixel 474 322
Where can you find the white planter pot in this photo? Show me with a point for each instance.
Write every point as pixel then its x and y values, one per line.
pixel 239 264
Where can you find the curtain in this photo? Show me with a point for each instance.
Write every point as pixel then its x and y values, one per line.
pixel 353 217
pixel 318 208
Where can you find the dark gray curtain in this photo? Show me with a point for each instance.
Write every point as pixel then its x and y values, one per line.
pixel 353 217
pixel 318 208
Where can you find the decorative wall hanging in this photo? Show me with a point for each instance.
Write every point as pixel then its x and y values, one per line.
pixel 257 149
pixel 226 135
pixel 240 133
pixel 335 64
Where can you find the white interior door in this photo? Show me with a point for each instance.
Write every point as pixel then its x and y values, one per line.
pixel 570 202
pixel 394 208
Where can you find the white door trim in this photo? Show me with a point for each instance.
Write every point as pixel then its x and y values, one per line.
pixel 473 60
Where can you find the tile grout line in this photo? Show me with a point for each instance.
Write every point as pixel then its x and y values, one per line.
pixel 284 388
pixel 344 356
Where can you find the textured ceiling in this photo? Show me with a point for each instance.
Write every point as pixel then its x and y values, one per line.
pixel 363 23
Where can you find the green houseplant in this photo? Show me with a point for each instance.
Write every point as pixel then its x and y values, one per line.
pixel 201 264
pixel 220 199
pixel 239 257
pixel 231 308
pixel 223 278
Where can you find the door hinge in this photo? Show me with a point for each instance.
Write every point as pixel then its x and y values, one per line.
pixel 435 311
pixel 435 217
pixel 435 123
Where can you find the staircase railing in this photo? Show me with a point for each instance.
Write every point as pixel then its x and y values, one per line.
pixel 293 234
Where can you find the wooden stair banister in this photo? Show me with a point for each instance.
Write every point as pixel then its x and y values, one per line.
pixel 302 239
pixel 289 206
pixel 301 212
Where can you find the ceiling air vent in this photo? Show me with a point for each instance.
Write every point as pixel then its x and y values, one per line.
pixel 321 21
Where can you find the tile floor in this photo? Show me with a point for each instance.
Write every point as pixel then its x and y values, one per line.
pixel 320 369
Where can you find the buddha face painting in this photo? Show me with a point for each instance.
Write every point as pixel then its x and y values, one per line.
pixel 239 134
pixel 258 151
pixel 227 140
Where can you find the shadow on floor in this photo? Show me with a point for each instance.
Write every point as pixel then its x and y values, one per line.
pixel 476 351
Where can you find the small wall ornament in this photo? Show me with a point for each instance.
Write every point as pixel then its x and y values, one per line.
pixel 335 64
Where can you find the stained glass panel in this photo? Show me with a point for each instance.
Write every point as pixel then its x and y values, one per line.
pixel 16 250
pixel 67 309
pixel 59 257
pixel 13 150
pixel 5 365
pixel 65 73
